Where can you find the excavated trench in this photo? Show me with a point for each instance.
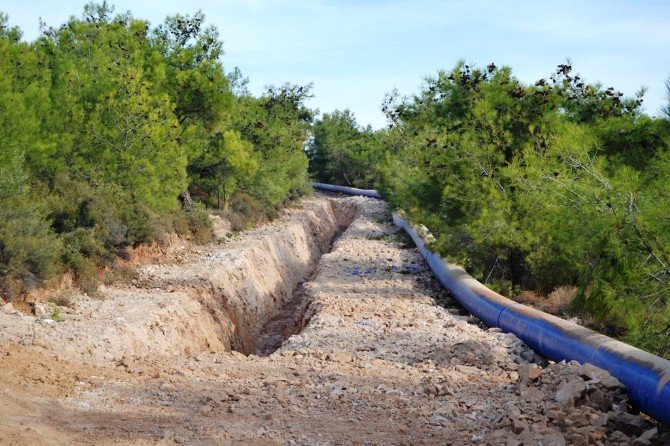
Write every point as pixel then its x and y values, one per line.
pixel 287 322
pixel 258 318
pixel 289 318
pixel 243 295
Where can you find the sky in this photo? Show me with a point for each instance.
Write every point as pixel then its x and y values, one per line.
pixel 357 51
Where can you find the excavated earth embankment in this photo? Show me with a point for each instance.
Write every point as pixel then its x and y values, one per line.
pixel 192 353
pixel 215 299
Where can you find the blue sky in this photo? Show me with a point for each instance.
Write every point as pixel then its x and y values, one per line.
pixel 356 51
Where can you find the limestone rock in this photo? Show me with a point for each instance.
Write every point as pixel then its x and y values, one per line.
pixel 571 391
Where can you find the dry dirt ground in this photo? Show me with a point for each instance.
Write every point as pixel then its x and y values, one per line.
pixel 376 353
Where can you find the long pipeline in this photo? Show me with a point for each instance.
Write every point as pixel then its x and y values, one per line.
pixel 646 376
pixel 347 190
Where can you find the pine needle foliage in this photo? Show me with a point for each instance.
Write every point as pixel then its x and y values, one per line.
pixel 106 121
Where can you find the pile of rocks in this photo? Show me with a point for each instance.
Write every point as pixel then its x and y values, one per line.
pixel 589 406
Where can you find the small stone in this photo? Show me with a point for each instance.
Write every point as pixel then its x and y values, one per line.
pixel 443 389
pixel 611 383
pixel 431 390
pixel 41 311
pixel 620 437
pixel 599 420
pixel 646 438
pixel 8 308
pixel 530 393
pixel 629 424
pixel 519 426
pixel 590 372
pixel 593 373
pixel 497 437
pixel 596 436
pixel 598 400
pixel 530 371
pixel 556 415
pixel 578 439
pixel 571 391
pixel 551 439
pixel 513 412
pixel 580 419
pixel 504 422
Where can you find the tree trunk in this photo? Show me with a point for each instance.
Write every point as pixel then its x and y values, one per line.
pixel 516 266
pixel 185 199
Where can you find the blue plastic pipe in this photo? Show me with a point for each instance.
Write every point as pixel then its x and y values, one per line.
pixel 347 190
pixel 646 376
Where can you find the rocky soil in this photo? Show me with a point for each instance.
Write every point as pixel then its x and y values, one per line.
pixel 270 339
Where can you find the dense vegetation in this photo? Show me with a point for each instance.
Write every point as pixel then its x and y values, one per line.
pixel 529 186
pixel 342 152
pixel 108 127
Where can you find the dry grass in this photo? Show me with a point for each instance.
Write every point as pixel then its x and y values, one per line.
pixel 119 274
pixel 557 302
pixel 63 298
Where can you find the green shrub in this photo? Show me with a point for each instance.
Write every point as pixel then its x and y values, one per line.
pixel 342 152
pixel 55 312
pixel 29 251
pixel 193 223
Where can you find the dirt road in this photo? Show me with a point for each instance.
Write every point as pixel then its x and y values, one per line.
pixel 379 354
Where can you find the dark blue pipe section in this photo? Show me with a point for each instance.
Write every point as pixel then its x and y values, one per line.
pixel 347 190
pixel 646 386
pixel 646 376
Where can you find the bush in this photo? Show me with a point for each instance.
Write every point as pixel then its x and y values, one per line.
pixel 29 251
pixel 97 221
pixel 193 223
pixel 342 152
pixel 246 211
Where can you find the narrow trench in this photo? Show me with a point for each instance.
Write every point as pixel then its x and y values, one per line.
pixel 288 320
pixel 286 323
